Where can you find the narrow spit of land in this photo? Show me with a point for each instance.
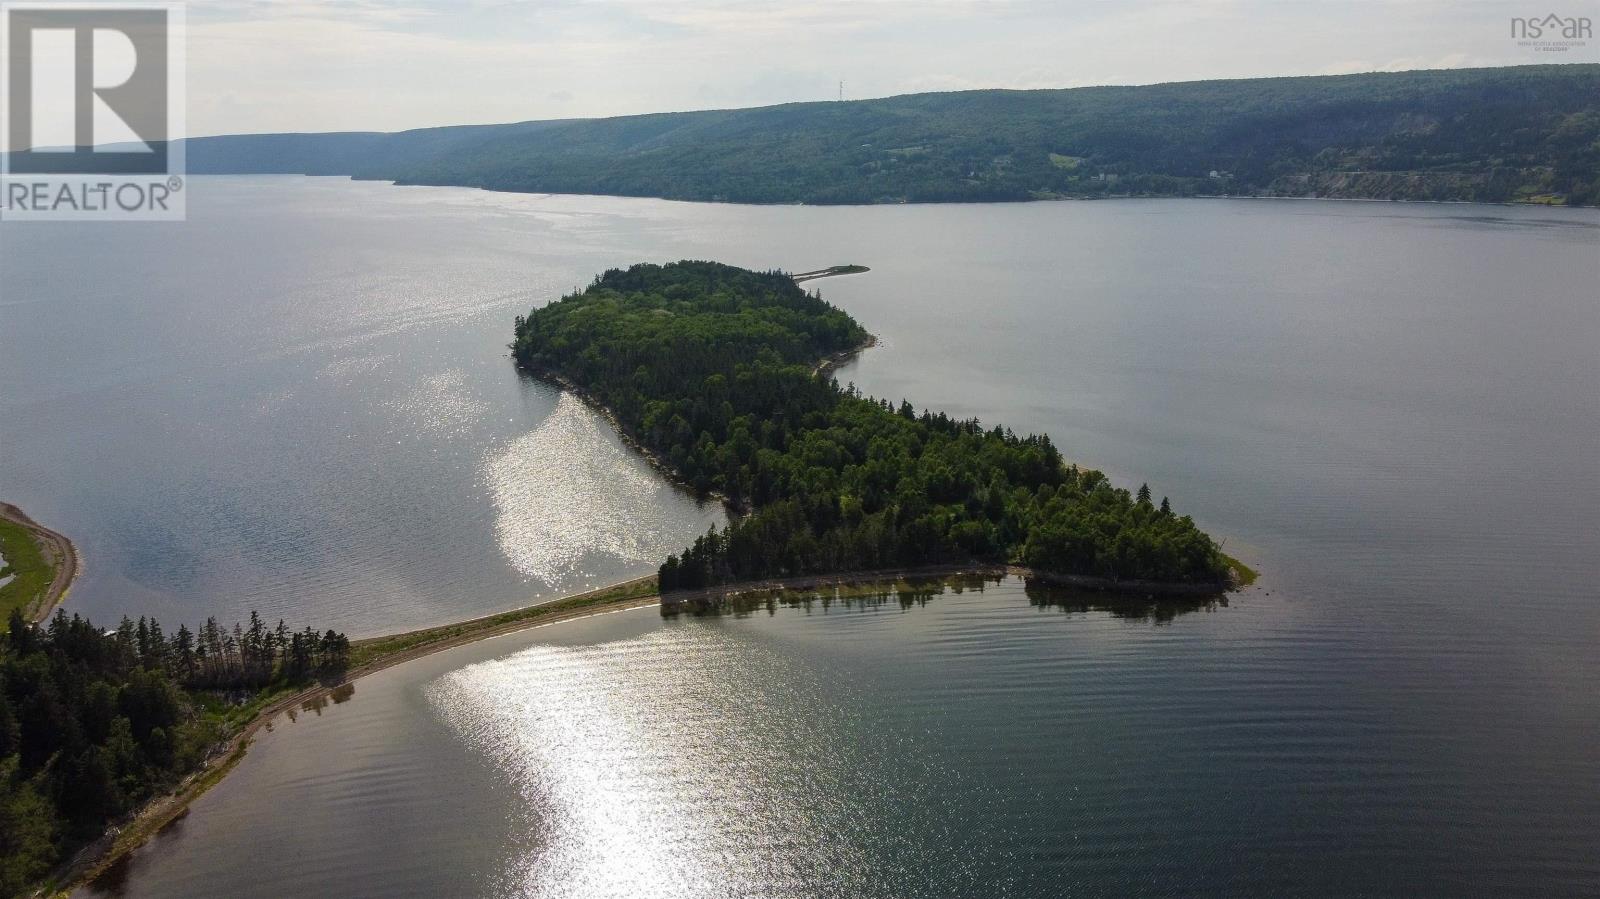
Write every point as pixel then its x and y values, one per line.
pixel 830 272
pixel 374 654
pixel 378 653
pixel 42 564
pixel 367 657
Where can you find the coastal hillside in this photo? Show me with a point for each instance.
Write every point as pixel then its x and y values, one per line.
pixel 714 370
pixel 1518 134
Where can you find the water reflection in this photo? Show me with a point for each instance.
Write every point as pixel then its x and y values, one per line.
pixel 337 696
pixel 907 593
pixel 642 774
pixel 1131 606
pixel 569 496
pixel 1314 377
pixel 1518 223
pixel 904 592
pixel 113 881
pixel 712 758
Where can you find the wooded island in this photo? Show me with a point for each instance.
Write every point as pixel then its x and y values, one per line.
pixel 715 371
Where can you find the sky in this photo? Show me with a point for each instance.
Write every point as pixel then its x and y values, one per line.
pixel 292 65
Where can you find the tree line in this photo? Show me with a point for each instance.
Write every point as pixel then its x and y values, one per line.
pixel 714 368
pixel 1490 135
pixel 94 722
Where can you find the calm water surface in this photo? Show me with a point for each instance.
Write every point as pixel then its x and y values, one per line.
pixel 300 401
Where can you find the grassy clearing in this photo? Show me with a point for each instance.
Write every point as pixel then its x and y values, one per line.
pixel 26 561
pixel 228 717
pixel 1243 575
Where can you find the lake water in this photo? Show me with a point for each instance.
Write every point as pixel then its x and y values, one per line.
pixel 300 401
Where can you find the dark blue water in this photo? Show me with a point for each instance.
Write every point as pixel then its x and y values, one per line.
pixel 1393 410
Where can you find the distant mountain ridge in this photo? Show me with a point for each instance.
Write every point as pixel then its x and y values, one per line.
pixel 1518 134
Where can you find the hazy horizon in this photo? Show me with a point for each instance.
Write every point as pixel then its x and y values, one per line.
pixel 580 117
pixel 388 65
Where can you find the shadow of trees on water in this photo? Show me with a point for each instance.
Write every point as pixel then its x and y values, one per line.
pixel 910 593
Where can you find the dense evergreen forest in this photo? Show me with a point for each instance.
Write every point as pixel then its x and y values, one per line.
pixel 93 723
pixel 714 369
pixel 1524 133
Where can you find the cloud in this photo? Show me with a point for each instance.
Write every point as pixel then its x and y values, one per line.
pixel 390 64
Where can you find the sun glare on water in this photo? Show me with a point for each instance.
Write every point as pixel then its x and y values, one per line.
pixel 637 782
pixel 568 492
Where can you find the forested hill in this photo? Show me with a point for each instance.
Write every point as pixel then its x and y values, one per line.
pixel 714 369
pixel 1526 133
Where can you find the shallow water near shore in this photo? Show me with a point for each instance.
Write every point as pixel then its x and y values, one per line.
pixel 1391 410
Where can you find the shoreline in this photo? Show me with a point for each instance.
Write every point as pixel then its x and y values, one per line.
pixel 58 551
pixel 1058 199
pixel 824 366
pixel 1063 199
pixel 375 654
pixel 1242 577
pixel 843 357
pixel 121 839
pixel 632 442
